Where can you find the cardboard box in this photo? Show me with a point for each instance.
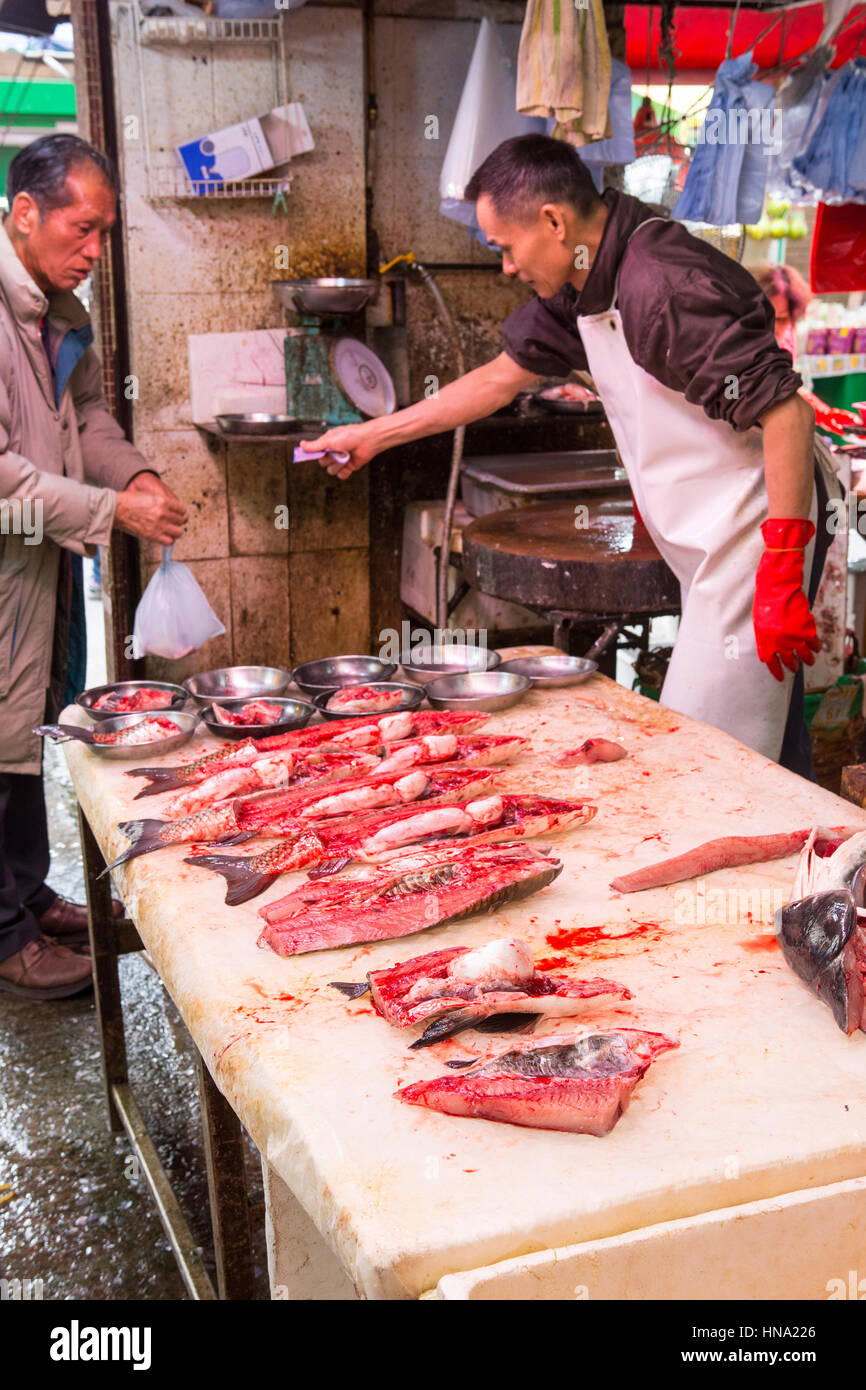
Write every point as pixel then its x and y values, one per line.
pixel 247 149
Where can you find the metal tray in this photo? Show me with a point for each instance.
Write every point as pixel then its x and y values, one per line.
pixel 259 424
pixel 297 713
pixel 87 697
pixel 454 659
pixel 484 690
pixel 237 683
pixel 412 698
pixel 560 407
pixel 186 722
pixel 552 671
pixel 330 672
pixel 495 482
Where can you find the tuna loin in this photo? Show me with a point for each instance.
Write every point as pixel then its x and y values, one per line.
pixel 727 853
pixel 387 903
pixel 457 988
pixel 581 1085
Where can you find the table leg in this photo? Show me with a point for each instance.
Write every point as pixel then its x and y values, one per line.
pixel 106 982
pixel 226 1181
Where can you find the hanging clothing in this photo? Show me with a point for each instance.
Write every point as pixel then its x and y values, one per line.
pixel 831 163
pixel 564 68
pixel 728 171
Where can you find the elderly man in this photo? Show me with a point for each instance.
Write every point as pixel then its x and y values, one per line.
pixel 68 477
pixel 704 406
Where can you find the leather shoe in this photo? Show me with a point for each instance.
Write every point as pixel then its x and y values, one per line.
pixel 44 969
pixel 64 918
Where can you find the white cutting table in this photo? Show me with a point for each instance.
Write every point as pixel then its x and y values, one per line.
pixel 739 1169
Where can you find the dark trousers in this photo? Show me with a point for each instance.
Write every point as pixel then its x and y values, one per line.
pixel 24 860
pixel 796 754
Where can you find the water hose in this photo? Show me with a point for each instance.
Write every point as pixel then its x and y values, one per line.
pixel 443 559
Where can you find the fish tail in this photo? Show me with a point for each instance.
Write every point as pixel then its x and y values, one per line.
pixel 351 989
pixel 442 1028
pixel 244 882
pixel 162 779
pixel 144 835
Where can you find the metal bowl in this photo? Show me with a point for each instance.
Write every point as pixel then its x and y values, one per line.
pixel 256 424
pixel 329 295
pixel 237 683
pixel 552 670
pixel 296 713
pixel 86 699
pixel 330 672
pixel 450 659
pixel 186 722
pixel 412 697
pixel 487 690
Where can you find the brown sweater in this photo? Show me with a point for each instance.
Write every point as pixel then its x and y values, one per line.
pixel 692 318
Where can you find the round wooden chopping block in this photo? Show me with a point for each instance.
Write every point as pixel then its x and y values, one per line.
pixel 538 557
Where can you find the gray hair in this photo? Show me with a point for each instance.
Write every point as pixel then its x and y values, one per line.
pixel 42 169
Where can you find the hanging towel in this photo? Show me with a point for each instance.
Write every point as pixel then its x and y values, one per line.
pixel 563 68
pixel 619 149
pixel 728 171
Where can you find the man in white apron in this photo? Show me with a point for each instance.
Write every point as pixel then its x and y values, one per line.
pixel 718 446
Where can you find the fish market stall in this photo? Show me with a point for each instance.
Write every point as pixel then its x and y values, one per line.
pixel 739 1148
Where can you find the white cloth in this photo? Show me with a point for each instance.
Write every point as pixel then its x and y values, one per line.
pixel 699 486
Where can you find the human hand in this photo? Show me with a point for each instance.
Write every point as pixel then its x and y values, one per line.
pixel 358 441
pixel 149 509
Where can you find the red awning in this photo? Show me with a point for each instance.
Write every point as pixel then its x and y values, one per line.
pixel 701 35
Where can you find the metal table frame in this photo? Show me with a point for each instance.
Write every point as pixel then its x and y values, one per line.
pixel 230 1210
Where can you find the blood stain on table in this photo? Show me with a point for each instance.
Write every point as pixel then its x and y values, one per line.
pixel 767 941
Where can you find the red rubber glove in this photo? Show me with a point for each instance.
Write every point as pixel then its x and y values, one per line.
pixel 784 626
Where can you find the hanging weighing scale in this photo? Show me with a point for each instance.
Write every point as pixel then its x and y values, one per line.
pixel 331 376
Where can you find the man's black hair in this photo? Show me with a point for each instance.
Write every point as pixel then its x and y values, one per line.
pixel 528 170
pixel 42 170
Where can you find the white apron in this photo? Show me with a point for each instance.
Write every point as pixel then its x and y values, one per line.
pixel 699 486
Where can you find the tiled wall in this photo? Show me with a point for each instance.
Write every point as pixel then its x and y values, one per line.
pixel 192 267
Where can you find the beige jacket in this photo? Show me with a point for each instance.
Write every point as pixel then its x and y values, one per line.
pixel 47 451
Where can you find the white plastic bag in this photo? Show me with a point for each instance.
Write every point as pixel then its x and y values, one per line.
pixel 173 617
pixel 486 114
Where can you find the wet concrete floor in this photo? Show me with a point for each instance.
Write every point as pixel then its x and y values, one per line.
pixel 76 1214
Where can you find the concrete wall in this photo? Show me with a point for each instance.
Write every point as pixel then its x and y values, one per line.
pixel 205 266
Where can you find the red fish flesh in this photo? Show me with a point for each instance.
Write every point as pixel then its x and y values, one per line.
pixel 285 811
pixel 134 703
pixel 254 712
pixel 478 750
pixel 580 1085
pixel 457 988
pixel 594 750
pixel 389 903
pixel 366 734
pixel 364 699
pixel 283 769
pixel 335 844
pixel 727 853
